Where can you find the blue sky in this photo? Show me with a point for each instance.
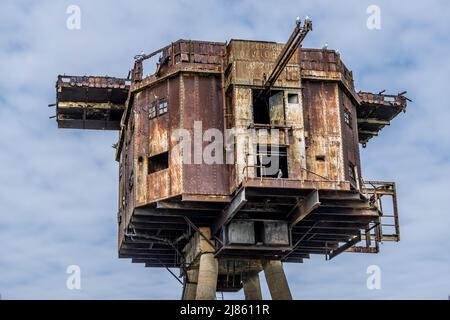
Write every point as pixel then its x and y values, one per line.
pixel 58 188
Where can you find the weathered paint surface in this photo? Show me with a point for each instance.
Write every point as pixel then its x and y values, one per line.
pixel 163 199
pixel 248 62
pixel 323 125
pixel 350 141
pixel 203 104
pixel 90 102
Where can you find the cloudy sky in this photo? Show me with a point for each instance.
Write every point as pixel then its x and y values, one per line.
pixel 58 188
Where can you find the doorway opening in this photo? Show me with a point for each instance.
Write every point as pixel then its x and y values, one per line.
pixel 272 161
pixel 268 108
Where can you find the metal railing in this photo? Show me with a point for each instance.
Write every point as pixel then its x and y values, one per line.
pixel 375 191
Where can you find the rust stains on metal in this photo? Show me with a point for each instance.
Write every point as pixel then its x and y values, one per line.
pixel 308 95
pixel 376 111
pixel 90 102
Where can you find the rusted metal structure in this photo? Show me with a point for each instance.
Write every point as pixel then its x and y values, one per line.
pixel 235 216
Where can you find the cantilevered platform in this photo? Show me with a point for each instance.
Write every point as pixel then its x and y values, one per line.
pixel 377 111
pixel 98 102
pixel 90 102
pixel 323 222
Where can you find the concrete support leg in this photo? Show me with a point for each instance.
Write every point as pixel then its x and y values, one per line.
pixel 191 285
pixel 252 287
pixel 276 280
pixel 207 277
pixel 208 267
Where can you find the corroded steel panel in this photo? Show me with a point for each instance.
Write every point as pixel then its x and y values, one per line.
pixel 325 64
pixel 180 52
pixel 256 51
pixel 203 110
pixel 92 89
pixel 158 185
pixel 323 125
pixel 127 185
pixel 350 141
pixel 243 119
pixel 296 137
pixel 276 109
pixel 249 62
pixel 90 102
pixel 154 138
pixel 175 116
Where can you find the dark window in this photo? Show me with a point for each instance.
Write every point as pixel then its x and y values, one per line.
pixel 320 157
pixel 267 168
pixel 292 98
pixel 130 181
pixel 158 162
pixel 348 117
pixel 163 106
pixel 261 109
pixel 152 111
pixel 259 232
pixel 351 171
pixel 229 113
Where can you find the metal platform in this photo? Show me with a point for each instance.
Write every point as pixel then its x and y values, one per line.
pixel 377 111
pixel 90 102
pixel 323 222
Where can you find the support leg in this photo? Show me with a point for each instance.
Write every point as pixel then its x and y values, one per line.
pixel 191 285
pixel 207 277
pixel 252 287
pixel 276 280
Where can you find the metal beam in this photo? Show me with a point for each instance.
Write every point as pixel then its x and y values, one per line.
pixel 159 265
pixel 150 226
pixel 304 207
pixel 373 121
pixel 156 260
pixel 317 245
pixel 363 250
pixel 340 195
pixel 293 43
pixel 155 212
pixel 151 215
pixel 290 194
pixel 147 251
pixel 297 255
pixel 228 213
pixel 334 218
pixel 90 105
pixel 371 133
pixel 157 220
pixel 327 232
pixel 312 251
pixel 140 256
pixel 344 247
pixel 188 206
pixel 348 212
pixel 332 225
pixel 355 204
